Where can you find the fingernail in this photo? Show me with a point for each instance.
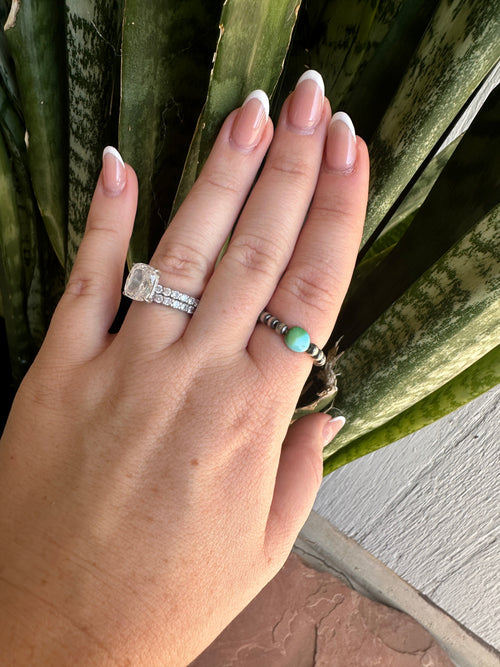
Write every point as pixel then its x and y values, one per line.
pixel 114 174
pixel 251 120
pixel 306 104
pixel 341 143
pixel 331 429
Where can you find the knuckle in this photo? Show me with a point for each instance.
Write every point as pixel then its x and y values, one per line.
pixel 255 253
pixel 293 166
pixel 335 208
pixel 103 226
pixel 311 285
pixel 83 286
pixel 220 181
pixel 178 259
pixel 89 283
pixel 86 279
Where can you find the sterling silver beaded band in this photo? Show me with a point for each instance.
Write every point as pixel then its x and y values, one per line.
pixel 142 284
pixel 296 338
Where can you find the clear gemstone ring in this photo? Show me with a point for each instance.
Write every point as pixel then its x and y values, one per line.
pixel 143 284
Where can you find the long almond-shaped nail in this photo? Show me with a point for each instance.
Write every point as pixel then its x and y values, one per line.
pixel 341 143
pixel 306 104
pixel 251 120
pixel 331 429
pixel 114 174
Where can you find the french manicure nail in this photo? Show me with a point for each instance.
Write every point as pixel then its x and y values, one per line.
pixel 114 174
pixel 251 120
pixel 341 143
pixel 306 104
pixel 331 429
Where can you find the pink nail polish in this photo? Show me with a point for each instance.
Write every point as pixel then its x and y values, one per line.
pixel 306 104
pixel 331 429
pixel 114 174
pixel 341 143
pixel 251 120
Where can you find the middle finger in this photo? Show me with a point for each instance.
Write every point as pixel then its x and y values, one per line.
pixel 270 223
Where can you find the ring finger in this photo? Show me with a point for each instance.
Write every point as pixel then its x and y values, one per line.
pixel 314 285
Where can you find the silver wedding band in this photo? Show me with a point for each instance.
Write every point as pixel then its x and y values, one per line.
pixel 143 284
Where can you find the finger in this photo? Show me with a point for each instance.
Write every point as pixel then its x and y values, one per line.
pixel 189 248
pixel 315 282
pixel 299 477
pixel 268 227
pixel 89 304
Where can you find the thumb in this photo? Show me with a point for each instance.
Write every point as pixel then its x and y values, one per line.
pixel 299 477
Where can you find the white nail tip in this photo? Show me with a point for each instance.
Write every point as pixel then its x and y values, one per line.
pixel 112 151
pixel 344 118
pixel 315 76
pixel 338 419
pixel 262 97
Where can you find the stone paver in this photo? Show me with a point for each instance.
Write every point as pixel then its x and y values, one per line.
pixel 306 618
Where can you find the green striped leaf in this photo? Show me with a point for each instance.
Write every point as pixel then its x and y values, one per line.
pixel 447 320
pixel 7 74
pixel 10 121
pixel 36 38
pixel 253 42
pixel 42 271
pixel 417 195
pixel 12 130
pixel 459 48
pixel 467 189
pixel 93 43
pixel 394 37
pixel 166 56
pixel 362 49
pixel 471 383
pixel 12 271
pixel 351 32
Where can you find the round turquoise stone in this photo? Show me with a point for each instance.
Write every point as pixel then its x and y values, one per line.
pixel 297 339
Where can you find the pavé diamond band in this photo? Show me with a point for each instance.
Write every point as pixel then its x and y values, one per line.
pixel 296 338
pixel 143 284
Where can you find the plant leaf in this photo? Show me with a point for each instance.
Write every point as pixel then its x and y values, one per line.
pixel 12 130
pixel 469 384
pixel 93 37
pixel 459 48
pixel 448 319
pixel 36 41
pixel 361 47
pixel 166 56
pixel 253 42
pixel 468 187
pixel 12 271
pixel 7 74
pixel 399 222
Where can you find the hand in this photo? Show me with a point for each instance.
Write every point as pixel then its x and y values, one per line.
pixel 150 484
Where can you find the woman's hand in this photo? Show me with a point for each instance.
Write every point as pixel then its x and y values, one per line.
pixel 150 484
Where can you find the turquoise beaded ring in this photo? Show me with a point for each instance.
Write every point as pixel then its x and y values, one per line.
pixel 296 338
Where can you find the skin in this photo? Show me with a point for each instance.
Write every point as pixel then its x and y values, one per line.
pixel 150 485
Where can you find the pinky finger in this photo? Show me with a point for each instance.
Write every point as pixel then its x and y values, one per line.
pixel 89 304
pixel 299 477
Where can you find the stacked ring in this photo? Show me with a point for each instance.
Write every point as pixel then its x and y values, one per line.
pixel 143 284
pixel 296 338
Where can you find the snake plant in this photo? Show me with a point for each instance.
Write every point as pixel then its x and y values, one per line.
pixel 418 333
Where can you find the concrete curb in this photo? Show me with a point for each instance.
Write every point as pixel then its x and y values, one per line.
pixel 325 548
